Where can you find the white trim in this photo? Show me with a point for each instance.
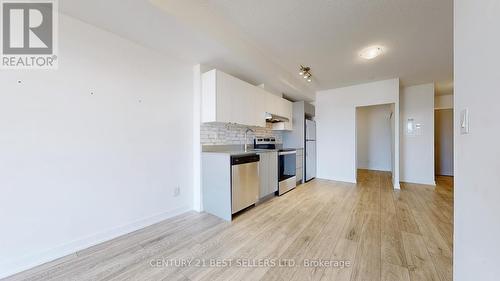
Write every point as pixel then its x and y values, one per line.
pixel 197 199
pixel 339 180
pixel 12 267
pixel 433 183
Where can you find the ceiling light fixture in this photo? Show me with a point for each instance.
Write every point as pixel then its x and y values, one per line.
pixel 371 52
pixel 305 72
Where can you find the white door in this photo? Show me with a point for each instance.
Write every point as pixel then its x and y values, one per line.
pixel 310 130
pixel 310 160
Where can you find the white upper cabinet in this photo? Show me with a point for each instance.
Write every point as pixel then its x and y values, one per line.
pixel 242 97
pixel 272 103
pixel 260 106
pixel 287 109
pixel 283 108
pixel 231 100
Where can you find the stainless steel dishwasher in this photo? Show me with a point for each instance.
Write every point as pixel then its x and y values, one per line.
pixel 245 182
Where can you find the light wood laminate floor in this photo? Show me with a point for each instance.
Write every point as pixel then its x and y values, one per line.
pixel 385 234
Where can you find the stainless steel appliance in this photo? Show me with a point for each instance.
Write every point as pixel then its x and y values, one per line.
pixel 245 182
pixel 272 118
pixel 264 143
pixel 286 170
pixel 310 150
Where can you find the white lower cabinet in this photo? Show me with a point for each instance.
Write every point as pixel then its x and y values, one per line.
pixel 268 173
pixel 299 165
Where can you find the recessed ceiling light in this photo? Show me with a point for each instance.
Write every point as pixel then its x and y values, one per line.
pixel 371 52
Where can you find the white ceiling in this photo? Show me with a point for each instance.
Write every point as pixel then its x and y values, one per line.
pixel 174 28
pixel 328 35
pixel 264 41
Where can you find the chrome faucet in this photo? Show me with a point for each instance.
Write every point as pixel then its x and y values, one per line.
pixel 246 138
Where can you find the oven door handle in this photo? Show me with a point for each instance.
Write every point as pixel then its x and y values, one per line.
pixel 287 152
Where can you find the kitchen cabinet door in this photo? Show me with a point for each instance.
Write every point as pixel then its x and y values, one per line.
pixel 234 97
pixel 283 108
pixel 310 159
pixel 225 89
pixel 260 107
pixel 298 175
pixel 288 110
pixel 216 97
pixel 299 165
pixel 228 99
pixel 248 109
pixel 273 172
pixel 264 174
pixel 268 173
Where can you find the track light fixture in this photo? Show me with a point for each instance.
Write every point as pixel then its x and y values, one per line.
pixel 305 71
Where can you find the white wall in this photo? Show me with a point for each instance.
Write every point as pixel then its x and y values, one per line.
pixel 477 155
pixel 374 137
pixel 336 126
pixel 77 169
pixel 443 102
pixel 417 151
pixel 394 134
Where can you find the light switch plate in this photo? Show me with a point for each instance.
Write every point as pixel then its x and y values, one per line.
pixel 464 121
pixel 410 127
pixel 418 129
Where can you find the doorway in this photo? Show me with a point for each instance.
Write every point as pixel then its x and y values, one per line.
pixel 443 142
pixel 375 134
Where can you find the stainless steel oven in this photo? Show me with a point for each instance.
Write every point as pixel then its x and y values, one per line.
pixel 286 170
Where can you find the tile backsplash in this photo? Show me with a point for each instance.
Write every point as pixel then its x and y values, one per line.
pixel 225 133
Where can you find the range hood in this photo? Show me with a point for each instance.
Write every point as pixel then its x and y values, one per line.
pixel 271 118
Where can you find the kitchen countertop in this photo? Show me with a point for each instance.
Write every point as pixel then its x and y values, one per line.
pixel 241 152
pixel 234 150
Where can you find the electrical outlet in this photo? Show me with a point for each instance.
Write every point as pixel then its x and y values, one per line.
pixel 177 191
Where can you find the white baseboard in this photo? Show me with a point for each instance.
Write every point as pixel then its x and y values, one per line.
pixel 420 182
pixel 346 180
pixel 15 266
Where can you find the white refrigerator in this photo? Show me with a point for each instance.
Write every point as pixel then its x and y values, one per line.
pixel 310 150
